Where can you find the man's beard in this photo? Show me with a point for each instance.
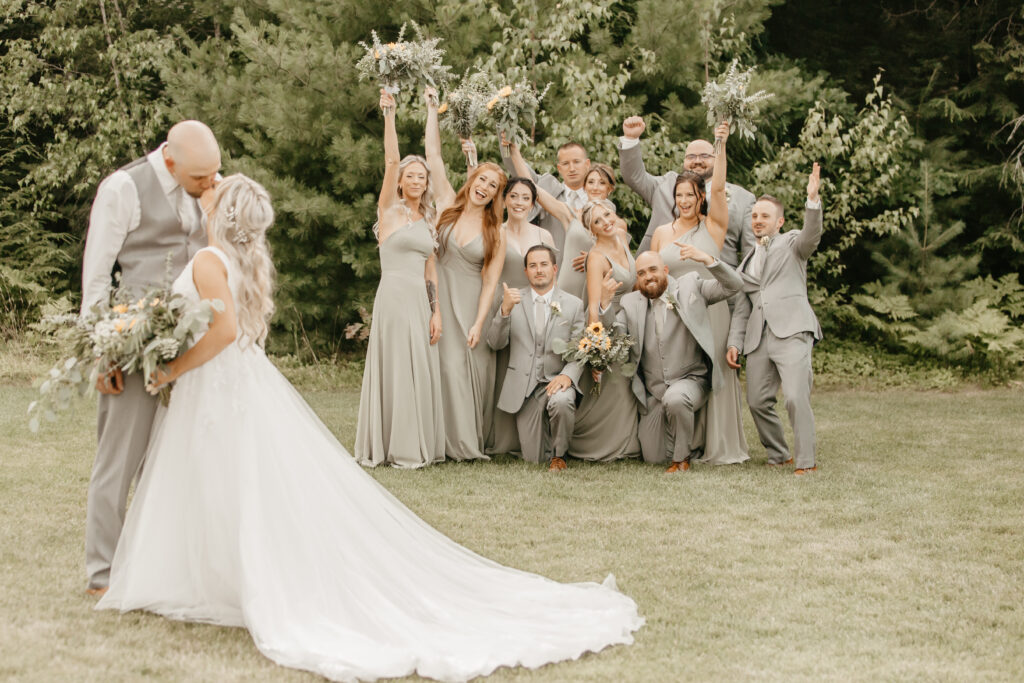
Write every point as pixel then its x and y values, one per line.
pixel 660 285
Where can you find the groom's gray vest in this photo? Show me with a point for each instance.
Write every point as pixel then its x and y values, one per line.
pixel 161 234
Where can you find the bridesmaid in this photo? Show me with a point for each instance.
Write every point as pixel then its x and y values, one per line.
pixel 520 234
pixel 400 420
pixel 577 238
pixel 702 222
pixel 600 182
pixel 606 423
pixel 471 253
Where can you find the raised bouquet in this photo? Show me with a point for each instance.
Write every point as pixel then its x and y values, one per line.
pixel 600 349
pixel 404 64
pixel 514 109
pixel 465 105
pixel 727 101
pixel 130 335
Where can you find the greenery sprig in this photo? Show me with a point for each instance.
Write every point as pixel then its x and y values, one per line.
pixel 727 101
pixel 404 64
pixel 465 104
pixel 514 109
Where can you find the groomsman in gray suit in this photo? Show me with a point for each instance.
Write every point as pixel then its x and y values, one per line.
pixel 573 166
pixel 669 319
pixel 657 191
pixel 143 213
pixel 540 388
pixel 774 326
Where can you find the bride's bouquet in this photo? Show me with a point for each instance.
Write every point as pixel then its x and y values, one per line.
pixel 600 349
pixel 130 335
pixel 728 102
pixel 404 64
pixel 514 109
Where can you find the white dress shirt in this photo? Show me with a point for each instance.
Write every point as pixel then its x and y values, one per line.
pixel 115 213
pixel 576 199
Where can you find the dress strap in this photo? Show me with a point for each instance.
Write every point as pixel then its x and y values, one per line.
pixel 220 254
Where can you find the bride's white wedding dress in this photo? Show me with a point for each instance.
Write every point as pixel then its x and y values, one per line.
pixel 250 513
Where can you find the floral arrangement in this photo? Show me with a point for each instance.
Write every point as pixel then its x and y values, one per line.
pixel 514 109
pixel 600 349
pixel 134 336
pixel 403 64
pixel 728 102
pixel 465 105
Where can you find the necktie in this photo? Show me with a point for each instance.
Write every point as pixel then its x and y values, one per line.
pixel 757 262
pixel 659 316
pixel 538 319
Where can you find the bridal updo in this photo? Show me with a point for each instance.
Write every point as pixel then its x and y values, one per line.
pixel 238 222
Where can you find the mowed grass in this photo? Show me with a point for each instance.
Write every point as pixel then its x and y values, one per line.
pixel 902 558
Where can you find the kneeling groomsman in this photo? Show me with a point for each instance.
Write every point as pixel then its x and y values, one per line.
pixel 540 388
pixel 774 325
pixel 669 319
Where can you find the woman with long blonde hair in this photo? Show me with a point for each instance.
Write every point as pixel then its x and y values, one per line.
pixel 249 513
pixel 400 419
pixel 471 253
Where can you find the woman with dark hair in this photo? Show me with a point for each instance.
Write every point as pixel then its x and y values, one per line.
pixel 400 423
pixel 471 253
pixel 520 234
pixel 702 221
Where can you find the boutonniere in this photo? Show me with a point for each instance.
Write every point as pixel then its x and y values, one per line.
pixel 728 195
pixel 766 240
pixel 671 302
pixel 556 308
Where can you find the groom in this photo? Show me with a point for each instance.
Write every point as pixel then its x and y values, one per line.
pixel 540 388
pixel 143 214
pixel 669 319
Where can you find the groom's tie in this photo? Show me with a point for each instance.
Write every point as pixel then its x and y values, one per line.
pixel 538 320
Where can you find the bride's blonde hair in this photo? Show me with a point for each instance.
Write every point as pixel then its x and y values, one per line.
pixel 238 222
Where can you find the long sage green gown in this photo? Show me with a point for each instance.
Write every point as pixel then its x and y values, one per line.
pixel 577 239
pixel 719 428
pixel 606 423
pixel 400 411
pixel 467 391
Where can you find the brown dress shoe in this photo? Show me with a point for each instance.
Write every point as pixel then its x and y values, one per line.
pixel 678 467
pixel 557 464
pixel 780 464
pixel 800 471
pixel 96 592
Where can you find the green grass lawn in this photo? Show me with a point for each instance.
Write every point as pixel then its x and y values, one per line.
pixel 903 558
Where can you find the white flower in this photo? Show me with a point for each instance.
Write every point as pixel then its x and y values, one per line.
pixel 556 308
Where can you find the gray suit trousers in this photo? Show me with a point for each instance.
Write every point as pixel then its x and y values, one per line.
pixel 785 361
pixel 545 424
pixel 666 431
pixel 124 422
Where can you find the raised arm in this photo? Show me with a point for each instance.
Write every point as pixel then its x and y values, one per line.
pixel 807 241
pixel 631 160
pixel 444 195
pixel 392 155
pixel 547 201
pixel 718 203
pixel 489 282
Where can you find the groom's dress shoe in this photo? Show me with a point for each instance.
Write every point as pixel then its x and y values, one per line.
pixel 96 592
pixel 800 471
pixel 780 464
pixel 678 467
pixel 557 464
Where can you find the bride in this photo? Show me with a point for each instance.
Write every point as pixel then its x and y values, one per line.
pixel 250 513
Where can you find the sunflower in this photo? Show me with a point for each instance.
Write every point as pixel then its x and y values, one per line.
pixel 607 344
pixel 120 308
pixel 584 344
pixel 505 92
pixel 443 108
pixel 595 328
pixel 490 105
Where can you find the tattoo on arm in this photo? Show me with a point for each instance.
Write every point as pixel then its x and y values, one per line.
pixel 432 295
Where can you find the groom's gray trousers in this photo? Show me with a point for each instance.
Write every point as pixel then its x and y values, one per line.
pixel 124 422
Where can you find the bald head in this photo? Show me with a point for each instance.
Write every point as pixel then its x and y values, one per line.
pixel 192 156
pixel 700 158
pixel 651 274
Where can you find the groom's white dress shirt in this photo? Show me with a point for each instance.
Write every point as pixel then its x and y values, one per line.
pixel 115 213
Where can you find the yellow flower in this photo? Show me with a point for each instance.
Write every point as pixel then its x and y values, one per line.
pixel 584 344
pixel 133 323
pixel 119 325
pixel 443 108
pixel 140 304
pixel 154 303
pixel 595 328
pixel 376 54
pixel 490 105
pixel 505 92
pixel 391 46
pixel 607 344
pixel 120 308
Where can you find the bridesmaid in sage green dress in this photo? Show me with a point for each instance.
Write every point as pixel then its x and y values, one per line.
pixel 520 234
pixel 471 254
pixel 702 222
pixel 400 419
pixel 606 422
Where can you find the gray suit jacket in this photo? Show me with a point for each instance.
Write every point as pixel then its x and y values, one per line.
pixel 693 294
pixel 539 216
pixel 516 329
pixel 657 192
pixel 779 298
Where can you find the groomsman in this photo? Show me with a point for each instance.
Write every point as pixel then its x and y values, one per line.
pixel 657 191
pixel 669 319
pixel 143 214
pixel 540 388
pixel 573 166
pixel 774 326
